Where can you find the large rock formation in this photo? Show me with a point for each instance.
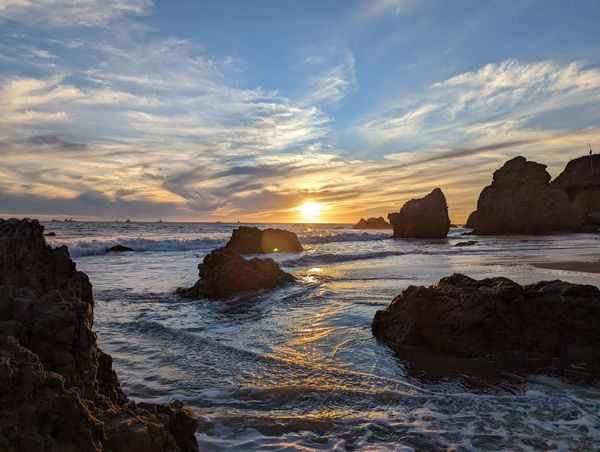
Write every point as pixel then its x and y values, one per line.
pixel 57 388
pixel 521 200
pixel 250 240
pixel 464 317
pixel 425 218
pixel 224 273
pixel 581 182
pixel 372 223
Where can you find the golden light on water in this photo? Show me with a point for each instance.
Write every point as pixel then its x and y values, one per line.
pixel 310 211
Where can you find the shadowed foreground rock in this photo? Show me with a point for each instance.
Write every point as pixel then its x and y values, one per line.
pixel 460 316
pixel 250 240
pixel 224 273
pixel 425 218
pixel 58 391
pixel 372 223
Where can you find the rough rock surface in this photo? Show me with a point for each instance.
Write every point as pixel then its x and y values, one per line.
pixel 250 240
pixel 372 223
pixel 224 273
pixel 460 316
pixel 425 218
pixel 58 391
pixel 521 200
pixel 581 182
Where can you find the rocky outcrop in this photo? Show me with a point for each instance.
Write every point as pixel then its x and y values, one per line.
pixel 58 390
pixel 521 200
pixel 372 223
pixel 472 220
pixel 224 273
pixel 460 316
pixel 467 243
pixel 581 182
pixel 425 218
pixel 118 249
pixel 250 240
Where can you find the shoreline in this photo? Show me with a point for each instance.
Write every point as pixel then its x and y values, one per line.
pixel 573 266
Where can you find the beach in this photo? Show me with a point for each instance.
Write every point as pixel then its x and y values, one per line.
pixel 298 367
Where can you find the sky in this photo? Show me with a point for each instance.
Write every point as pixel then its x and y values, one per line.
pixel 231 110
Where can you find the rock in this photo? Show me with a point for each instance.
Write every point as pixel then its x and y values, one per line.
pixel 250 240
pixel 472 220
pixel 467 243
pixel 58 390
pixel 581 182
pixel 118 249
pixel 50 234
pixel 224 273
pixel 425 218
pixel 372 223
pixel 521 200
pixel 460 316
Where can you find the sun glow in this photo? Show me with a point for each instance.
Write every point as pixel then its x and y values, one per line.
pixel 310 211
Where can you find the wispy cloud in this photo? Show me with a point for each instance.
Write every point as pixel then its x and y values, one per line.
pixel 87 13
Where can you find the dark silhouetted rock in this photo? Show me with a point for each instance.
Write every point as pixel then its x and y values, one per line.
pixel 250 240
pixel 224 273
pixel 460 316
pixel 521 200
pixel 118 249
pixel 472 220
pixel 58 390
pixel 50 234
pixel 581 182
pixel 425 218
pixel 467 243
pixel 372 223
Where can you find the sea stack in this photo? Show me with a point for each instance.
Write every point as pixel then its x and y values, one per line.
pixel 58 390
pixel 251 240
pixel 461 316
pixel 521 200
pixel 224 273
pixel 425 218
pixel 581 182
pixel 372 223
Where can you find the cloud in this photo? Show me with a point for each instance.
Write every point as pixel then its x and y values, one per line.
pixel 61 13
pixel 373 9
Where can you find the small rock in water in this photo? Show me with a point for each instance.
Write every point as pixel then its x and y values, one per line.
pixel 251 240
pixel 224 273
pixel 425 218
pixel 372 223
pixel 50 234
pixel 118 249
pixel 468 243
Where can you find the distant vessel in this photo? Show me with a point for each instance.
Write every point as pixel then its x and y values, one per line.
pixel 159 221
pixel 128 220
pixel 69 220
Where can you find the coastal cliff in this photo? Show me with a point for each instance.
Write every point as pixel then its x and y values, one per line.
pixel 58 391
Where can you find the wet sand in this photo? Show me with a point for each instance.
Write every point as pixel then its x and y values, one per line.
pixel 573 266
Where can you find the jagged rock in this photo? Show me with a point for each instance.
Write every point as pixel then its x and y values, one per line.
pixel 372 223
pixel 224 273
pixel 521 200
pixel 425 218
pixel 251 240
pixel 460 316
pixel 118 249
pixel 58 390
pixel 581 182
pixel 467 243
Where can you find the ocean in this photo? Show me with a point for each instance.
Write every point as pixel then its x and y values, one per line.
pixel 297 368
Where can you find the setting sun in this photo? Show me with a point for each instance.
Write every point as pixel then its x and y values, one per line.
pixel 310 211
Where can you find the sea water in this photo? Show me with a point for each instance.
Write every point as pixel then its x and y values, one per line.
pixel 297 368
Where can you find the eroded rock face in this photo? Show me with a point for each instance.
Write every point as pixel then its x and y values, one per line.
pixel 521 200
pixel 372 223
pixel 460 316
pixel 425 218
pixel 58 390
pixel 581 182
pixel 224 273
pixel 250 240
